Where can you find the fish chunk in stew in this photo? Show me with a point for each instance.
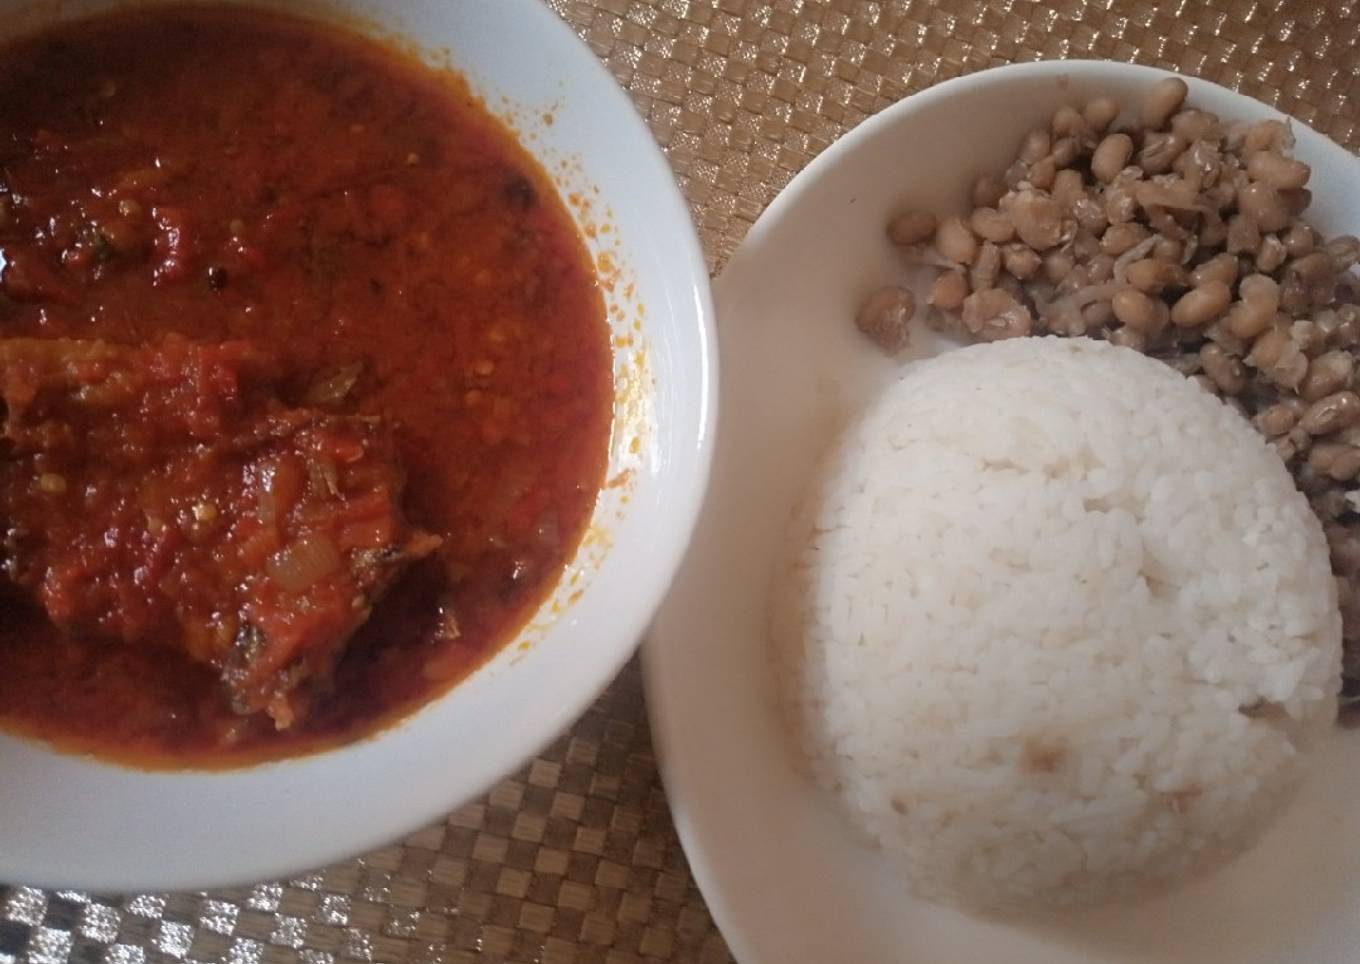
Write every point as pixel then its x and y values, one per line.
pixel 165 495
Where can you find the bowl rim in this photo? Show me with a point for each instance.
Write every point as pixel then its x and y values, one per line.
pixel 687 487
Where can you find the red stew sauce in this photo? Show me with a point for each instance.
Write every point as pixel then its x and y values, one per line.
pixel 387 315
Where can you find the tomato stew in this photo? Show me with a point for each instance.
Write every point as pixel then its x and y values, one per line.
pixel 243 182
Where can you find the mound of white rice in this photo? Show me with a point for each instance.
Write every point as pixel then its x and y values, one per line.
pixel 1055 626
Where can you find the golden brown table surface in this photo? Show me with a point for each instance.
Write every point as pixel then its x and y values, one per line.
pixel 574 859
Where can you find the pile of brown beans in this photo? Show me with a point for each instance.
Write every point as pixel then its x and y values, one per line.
pixel 1178 234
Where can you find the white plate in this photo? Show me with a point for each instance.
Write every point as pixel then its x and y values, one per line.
pixel 786 880
pixel 68 821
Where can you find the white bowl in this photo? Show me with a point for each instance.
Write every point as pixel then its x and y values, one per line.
pixel 67 821
pixel 785 877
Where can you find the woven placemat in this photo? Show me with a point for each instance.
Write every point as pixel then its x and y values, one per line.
pixel 574 859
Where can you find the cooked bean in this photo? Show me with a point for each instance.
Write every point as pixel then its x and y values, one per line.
pixel 1042 173
pixel 1067 324
pixel 1296 199
pixel 1097 314
pixel 1347 332
pixel 1226 370
pixel 1286 447
pixel 1036 146
pixel 1221 267
pixel 1335 460
pixel 986 267
pixel 1277 171
pixel 1344 251
pixel 1168 193
pixel 1162 100
pixel 1201 305
pixel 884 317
pixel 1085 246
pixel 1068 122
pixel 1190 246
pixel 1313 269
pixel 1008 283
pixel 1340 331
pixel 1121 202
pixel 1163 222
pixel 1221 335
pixel 1244 237
pixel 1021 261
pixel 954 241
pixel 1066 151
pixel 1196 125
pixel 1129 338
pixel 1302 442
pixel 1269 346
pixel 1168 249
pixel 1119 238
pixel 1038 220
pixel 1267 135
pixel 1206 383
pixel 1057 266
pixel 995 314
pixel 1111 157
pixel 1221 195
pixel 1299 240
pixel 1328 373
pixel 1067 188
pixel 1338 462
pixel 1295 297
pixel 1344 595
pixel 1247 319
pixel 912 227
pixel 1140 312
pixel 1100 268
pixel 1314 276
pixel 1090 216
pixel 1263 204
pixel 1270 255
pixel 1345 547
pixel 988 189
pixel 949 290
pixel 1260 287
pixel 1279 418
pixel 1288 369
pixel 1331 414
pixel 1310 337
pixel 1100 113
pixel 1199 164
pixel 1149 274
pixel 1213 231
pixel 1185 363
pixel 1328 505
pixel 1160 151
pixel 1079 277
pixel 992 225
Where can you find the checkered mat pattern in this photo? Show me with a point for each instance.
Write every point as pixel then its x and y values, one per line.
pixel 574 860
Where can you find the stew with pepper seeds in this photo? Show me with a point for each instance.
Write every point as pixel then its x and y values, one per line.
pixel 305 385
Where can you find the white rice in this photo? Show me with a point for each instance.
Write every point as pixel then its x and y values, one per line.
pixel 1023 605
